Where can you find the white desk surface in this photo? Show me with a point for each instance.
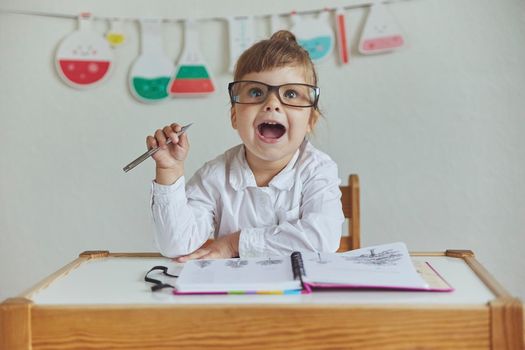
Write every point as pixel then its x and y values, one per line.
pixel 120 280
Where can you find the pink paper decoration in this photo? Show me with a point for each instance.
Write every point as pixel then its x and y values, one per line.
pixel 381 32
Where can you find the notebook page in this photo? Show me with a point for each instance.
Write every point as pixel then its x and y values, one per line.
pixel 273 273
pixel 383 266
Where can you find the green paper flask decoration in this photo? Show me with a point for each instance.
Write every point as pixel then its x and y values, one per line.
pixel 151 71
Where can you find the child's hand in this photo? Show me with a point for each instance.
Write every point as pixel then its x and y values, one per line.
pixel 221 248
pixel 171 155
pixel 169 159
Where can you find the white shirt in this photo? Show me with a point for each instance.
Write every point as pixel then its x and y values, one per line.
pixel 299 210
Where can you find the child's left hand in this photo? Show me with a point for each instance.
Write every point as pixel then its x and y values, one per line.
pixel 221 248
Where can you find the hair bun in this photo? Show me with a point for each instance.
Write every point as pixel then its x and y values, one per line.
pixel 284 35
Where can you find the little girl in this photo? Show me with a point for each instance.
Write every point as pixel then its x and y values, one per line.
pixel 271 195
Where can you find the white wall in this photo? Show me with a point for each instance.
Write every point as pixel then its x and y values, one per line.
pixel 435 132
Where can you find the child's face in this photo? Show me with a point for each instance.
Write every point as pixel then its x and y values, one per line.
pixel 271 131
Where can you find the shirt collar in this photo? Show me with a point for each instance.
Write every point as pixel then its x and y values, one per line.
pixel 241 176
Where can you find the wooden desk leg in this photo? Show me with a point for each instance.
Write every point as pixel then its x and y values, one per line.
pixel 15 324
pixel 506 322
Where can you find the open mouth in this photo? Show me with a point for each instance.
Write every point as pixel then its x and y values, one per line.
pixel 271 130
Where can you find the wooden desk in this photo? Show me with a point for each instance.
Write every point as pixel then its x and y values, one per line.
pixel 99 301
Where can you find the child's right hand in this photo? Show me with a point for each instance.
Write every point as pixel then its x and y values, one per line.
pixel 171 156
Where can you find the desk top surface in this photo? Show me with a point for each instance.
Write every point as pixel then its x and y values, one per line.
pixel 120 280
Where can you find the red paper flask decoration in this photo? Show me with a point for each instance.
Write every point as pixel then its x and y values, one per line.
pixel 84 58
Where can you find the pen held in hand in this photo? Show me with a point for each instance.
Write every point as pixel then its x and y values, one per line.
pixel 152 151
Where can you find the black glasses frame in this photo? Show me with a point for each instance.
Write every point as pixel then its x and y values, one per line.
pixel 275 88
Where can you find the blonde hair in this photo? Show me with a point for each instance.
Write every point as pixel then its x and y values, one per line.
pixel 279 51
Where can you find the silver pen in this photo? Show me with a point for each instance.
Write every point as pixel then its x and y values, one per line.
pixel 152 151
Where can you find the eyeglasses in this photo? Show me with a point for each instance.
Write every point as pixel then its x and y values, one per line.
pixel 254 92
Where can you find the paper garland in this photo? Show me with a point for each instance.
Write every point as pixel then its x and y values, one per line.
pixel 85 59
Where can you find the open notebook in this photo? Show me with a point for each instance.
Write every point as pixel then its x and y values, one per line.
pixel 384 267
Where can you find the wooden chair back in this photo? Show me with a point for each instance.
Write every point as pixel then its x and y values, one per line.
pixel 351 210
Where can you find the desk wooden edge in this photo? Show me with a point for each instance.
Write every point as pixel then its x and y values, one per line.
pixel 15 324
pixel 506 312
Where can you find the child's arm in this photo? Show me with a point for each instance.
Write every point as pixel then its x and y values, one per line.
pixel 179 226
pixel 184 214
pixel 226 246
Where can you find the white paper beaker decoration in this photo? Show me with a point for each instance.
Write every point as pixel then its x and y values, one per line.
pixel 241 36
